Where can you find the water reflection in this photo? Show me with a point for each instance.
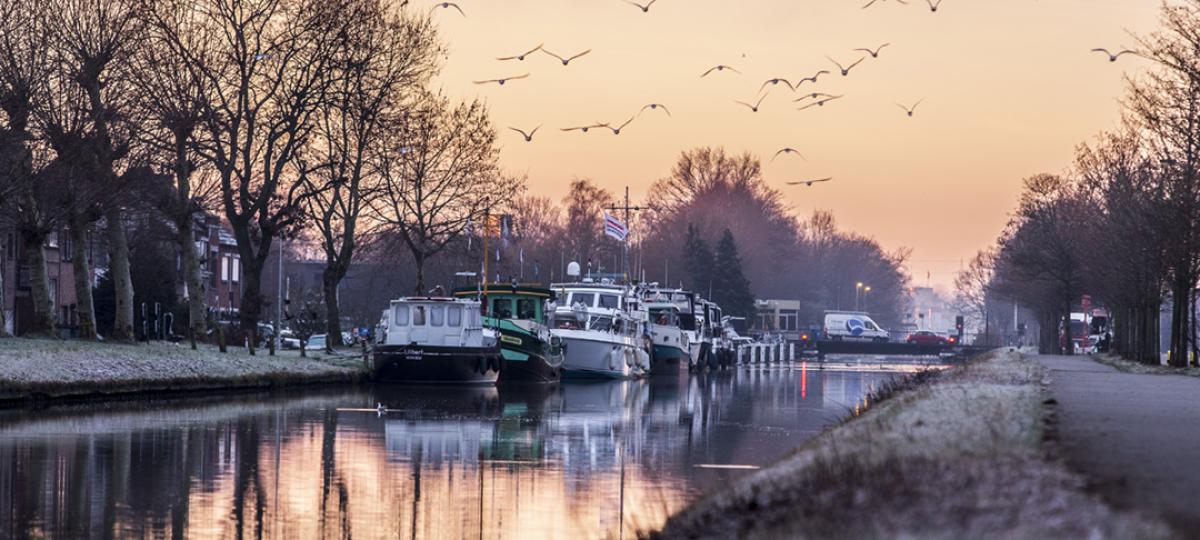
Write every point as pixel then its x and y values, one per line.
pixel 579 461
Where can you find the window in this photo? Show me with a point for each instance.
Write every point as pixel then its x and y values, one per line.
pixel 52 240
pixel 502 308
pixel 587 299
pixel 609 301
pixel 454 316
pixel 601 324
pixel 68 247
pixel 526 308
pixel 474 318
pixel 400 315
pixel 437 316
pixel 235 272
pixel 224 268
pixel 418 315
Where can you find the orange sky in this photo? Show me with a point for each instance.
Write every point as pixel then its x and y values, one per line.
pixel 1010 90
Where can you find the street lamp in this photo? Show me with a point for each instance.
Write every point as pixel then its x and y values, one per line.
pixel 866 290
pixel 857 289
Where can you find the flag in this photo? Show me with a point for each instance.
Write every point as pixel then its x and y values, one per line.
pixel 614 228
pixel 469 230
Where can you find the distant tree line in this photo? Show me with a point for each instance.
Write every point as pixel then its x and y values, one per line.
pixel 1123 225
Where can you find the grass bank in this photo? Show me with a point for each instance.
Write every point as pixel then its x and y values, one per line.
pixel 50 369
pixel 1110 359
pixel 963 456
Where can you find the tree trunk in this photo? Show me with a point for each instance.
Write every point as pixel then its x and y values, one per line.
pixel 193 284
pixel 419 262
pixel 39 285
pixel 333 318
pixel 252 301
pixel 85 310
pixel 118 266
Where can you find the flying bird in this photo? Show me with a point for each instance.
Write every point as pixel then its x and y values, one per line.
pixel 448 5
pixel 753 108
pixel 846 70
pixel 812 79
pixel 874 53
pixel 504 80
pixel 566 61
pixel 521 57
pixel 813 95
pixel 775 82
pixel 616 130
pixel 1113 57
pixel 933 5
pixel 644 8
pixel 809 182
pixel 820 103
pixel 872 2
pixel 789 150
pixel 584 129
pixel 911 110
pixel 719 67
pixel 528 136
pixel 655 106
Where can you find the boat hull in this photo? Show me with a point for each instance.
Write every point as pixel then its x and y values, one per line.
pixel 419 364
pixel 590 358
pixel 527 358
pixel 666 359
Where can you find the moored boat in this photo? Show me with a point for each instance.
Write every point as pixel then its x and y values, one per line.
pixel 433 340
pixel 517 313
pixel 603 338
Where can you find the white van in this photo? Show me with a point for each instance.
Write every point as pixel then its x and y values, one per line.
pixel 852 325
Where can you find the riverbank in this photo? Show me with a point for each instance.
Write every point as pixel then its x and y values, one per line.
pixel 1129 366
pixel 37 370
pixel 967 455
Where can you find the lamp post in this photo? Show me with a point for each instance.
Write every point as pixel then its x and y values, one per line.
pixel 866 290
pixel 857 290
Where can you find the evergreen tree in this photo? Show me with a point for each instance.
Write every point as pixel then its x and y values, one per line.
pixel 699 260
pixel 730 288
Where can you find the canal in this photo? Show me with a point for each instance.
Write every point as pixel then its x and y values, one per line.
pixel 576 461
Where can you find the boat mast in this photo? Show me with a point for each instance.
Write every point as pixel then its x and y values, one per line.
pixel 628 229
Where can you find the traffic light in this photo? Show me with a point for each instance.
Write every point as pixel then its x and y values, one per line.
pixel 958 324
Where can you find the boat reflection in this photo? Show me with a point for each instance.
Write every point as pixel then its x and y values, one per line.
pixel 574 460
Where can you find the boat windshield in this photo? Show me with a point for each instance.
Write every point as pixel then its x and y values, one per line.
pixel 600 324
pixel 527 308
pixel 586 298
pixel 663 316
pixel 687 321
pixel 609 301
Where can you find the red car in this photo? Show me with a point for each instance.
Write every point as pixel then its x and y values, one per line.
pixel 925 337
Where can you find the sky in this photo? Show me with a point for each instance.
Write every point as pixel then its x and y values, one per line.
pixel 1010 89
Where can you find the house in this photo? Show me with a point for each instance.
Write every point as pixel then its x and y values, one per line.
pixel 18 301
pixel 781 317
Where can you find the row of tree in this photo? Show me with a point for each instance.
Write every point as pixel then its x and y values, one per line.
pixel 1123 226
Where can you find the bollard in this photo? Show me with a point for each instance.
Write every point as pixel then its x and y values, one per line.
pixel 792 352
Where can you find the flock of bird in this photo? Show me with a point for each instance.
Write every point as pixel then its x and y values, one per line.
pixel 806 100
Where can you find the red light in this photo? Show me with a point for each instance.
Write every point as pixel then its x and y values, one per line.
pixel 804 337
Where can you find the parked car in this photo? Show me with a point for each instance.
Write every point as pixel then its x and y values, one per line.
pixel 926 337
pixel 288 340
pixel 315 343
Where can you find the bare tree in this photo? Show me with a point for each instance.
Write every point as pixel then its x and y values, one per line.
pixel 170 99
pixel 265 72
pixel 439 173
pixel 23 68
pixel 584 226
pixel 88 123
pixel 387 57
pixel 972 288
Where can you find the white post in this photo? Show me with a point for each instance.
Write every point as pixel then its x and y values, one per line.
pixel 792 351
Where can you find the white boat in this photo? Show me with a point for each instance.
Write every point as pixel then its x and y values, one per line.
pixel 672 342
pixel 435 340
pixel 602 339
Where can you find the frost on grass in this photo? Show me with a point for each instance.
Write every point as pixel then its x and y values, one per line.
pixel 70 367
pixel 1128 366
pixel 958 458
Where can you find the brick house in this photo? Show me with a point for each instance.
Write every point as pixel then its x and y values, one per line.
pixel 18 302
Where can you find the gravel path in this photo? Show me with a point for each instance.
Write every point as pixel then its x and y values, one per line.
pixel 1135 436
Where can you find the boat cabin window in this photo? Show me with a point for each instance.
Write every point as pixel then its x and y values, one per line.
pixel 609 301
pixel 586 298
pixel 527 308
pixel 601 324
pixel 437 315
pixel 454 316
pixel 502 308
pixel 418 315
pixel 567 323
pixel 662 317
pixel 400 315
pixel 474 318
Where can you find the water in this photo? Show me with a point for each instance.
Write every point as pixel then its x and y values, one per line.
pixel 578 461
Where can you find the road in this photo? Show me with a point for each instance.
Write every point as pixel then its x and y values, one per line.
pixel 1136 437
